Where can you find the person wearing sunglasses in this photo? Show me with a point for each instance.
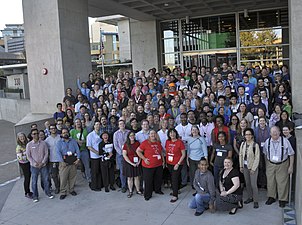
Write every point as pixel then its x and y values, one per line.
pixel 37 154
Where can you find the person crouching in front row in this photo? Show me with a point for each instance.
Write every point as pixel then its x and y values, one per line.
pixel 205 189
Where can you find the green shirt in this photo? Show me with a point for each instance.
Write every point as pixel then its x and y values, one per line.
pixel 75 134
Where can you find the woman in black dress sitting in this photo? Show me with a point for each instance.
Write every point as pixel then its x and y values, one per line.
pixel 230 198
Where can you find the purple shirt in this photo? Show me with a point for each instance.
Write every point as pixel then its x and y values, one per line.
pixel 37 152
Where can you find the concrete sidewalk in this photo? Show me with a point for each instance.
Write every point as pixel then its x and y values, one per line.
pixel 114 208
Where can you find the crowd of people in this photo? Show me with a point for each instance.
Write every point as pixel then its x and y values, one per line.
pixel 216 129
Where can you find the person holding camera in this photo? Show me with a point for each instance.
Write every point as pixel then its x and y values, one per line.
pixel 69 153
pixel 106 161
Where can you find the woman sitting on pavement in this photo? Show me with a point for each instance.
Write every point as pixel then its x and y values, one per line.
pixel 132 167
pixel 249 157
pixel 230 192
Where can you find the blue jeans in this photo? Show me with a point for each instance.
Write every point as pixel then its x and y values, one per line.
pixel 199 202
pixel 85 161
pixel 34 180
pixel 120 161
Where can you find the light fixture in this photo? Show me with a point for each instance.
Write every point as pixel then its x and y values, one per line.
pixel 166 4
pixel 245 13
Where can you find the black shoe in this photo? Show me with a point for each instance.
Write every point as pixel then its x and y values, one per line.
pixel 256 205
pixel 198 213
pixel 270 201
pixel 159 192
pixel 282 204
pixel 73 193
pixel 233 211
pixel 147 198
pixel 106 189
pixel 249 200
pixel 62 197
pixel 95 189
pixel 112 188
pixel 124 190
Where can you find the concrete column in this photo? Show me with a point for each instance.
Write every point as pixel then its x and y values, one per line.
pixel 295 16
pixel 295 19
pixel 144 44
pixel 57 38
pixel 124 40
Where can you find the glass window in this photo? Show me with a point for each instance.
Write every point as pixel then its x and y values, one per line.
pixel 271 36
pixel 267 53
pixel 263 19
pixel 169 29
pixel 209 33
pixel 171 59
pixel 171 45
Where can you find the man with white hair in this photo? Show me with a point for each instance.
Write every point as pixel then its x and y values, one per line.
pixel 279 164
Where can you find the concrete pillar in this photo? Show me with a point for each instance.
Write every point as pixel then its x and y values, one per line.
pixel 57 38
pixel 295 19
pixel 144 44
pixel 124 40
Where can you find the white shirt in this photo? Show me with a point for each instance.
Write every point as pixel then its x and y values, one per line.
pixel 93 140
pixel 163 136
pixel 206 131
pixel 184 132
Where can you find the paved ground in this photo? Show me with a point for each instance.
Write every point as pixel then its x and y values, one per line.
pixel 8 167
pixel 115 208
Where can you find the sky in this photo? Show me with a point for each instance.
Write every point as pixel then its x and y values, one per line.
pixel 10 12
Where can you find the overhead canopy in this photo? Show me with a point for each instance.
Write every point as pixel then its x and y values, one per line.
pixel 173 9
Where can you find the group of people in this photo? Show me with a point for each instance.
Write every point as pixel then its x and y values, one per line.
pixel 217 130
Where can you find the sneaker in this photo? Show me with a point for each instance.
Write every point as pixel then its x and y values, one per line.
pixel 124 190
pixel 35 199
pixel 198 213
pixel 50 196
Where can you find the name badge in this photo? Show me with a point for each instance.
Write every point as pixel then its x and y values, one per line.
pixel 135 159
pixel 219 154
pixel 170 158
pixel 262 144
pixel 158 157
pixel 276 158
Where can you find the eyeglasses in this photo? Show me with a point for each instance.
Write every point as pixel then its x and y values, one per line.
pixel 284 99
pixel 34 133
pixel 52 128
